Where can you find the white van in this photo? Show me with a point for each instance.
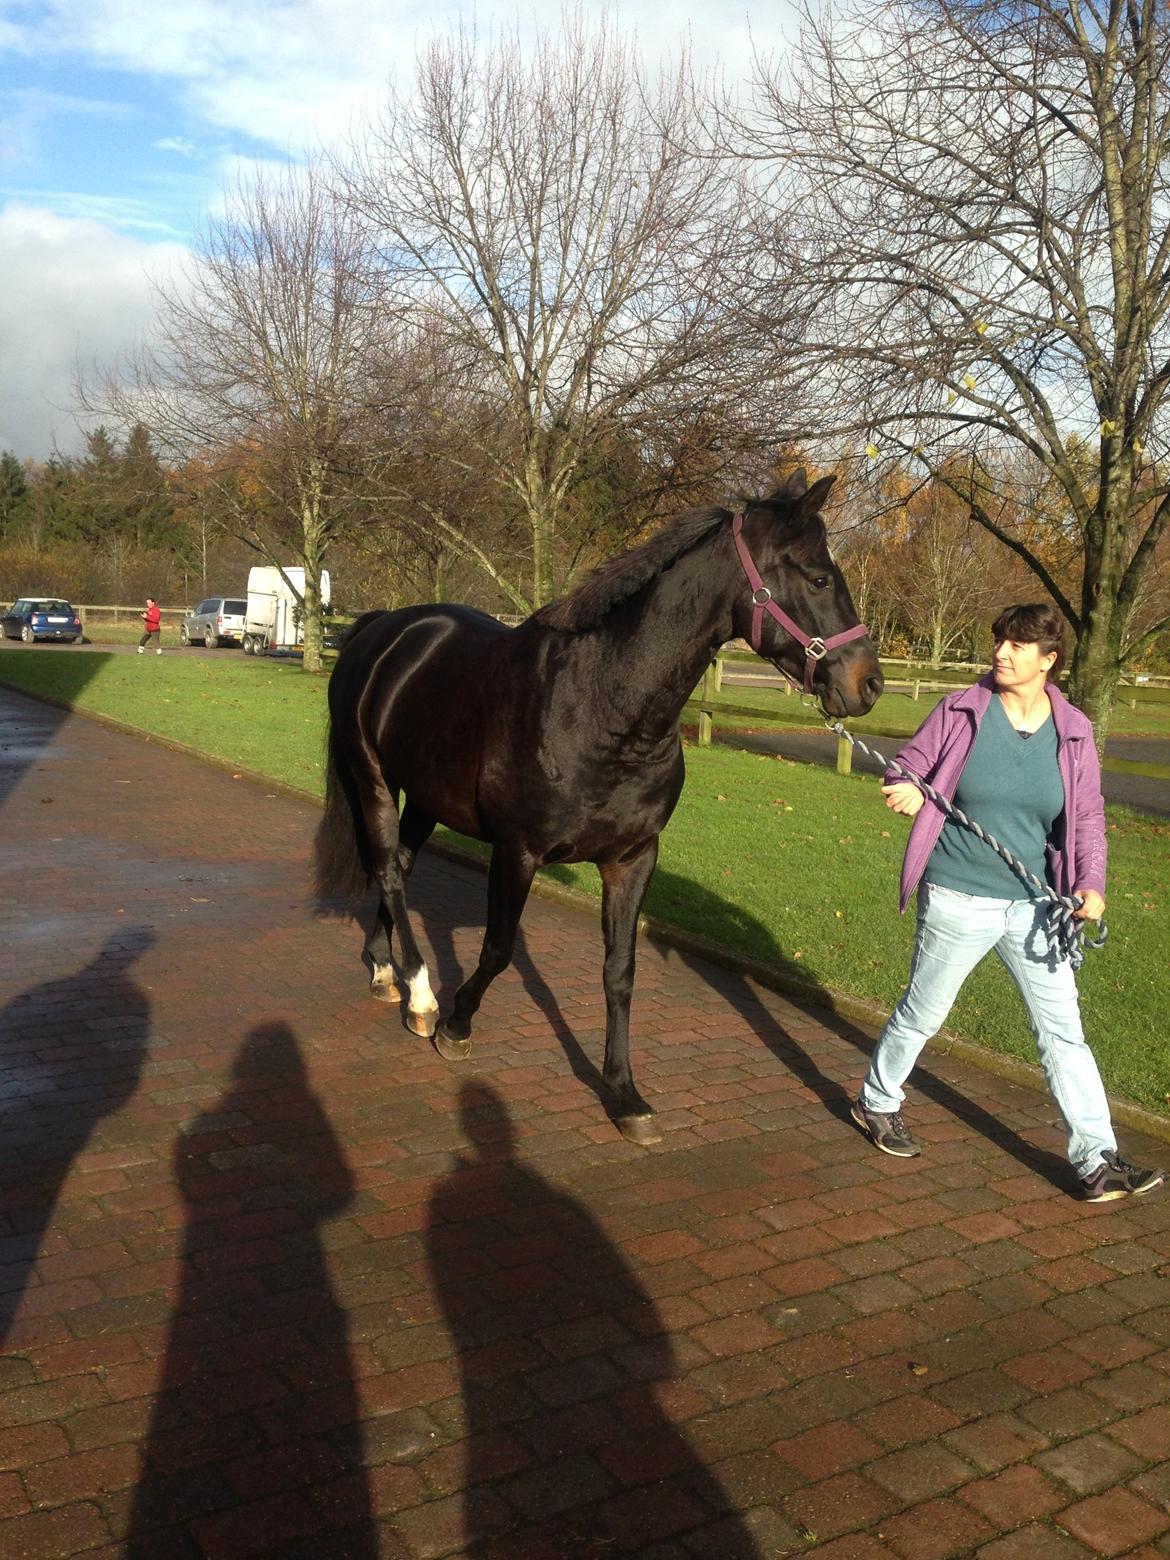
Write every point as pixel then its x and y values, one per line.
pixel 273 618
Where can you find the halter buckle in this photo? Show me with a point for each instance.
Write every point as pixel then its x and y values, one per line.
pixel 762 596
pixel 815 649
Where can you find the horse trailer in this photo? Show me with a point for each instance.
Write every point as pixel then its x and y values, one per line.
pixel 275 616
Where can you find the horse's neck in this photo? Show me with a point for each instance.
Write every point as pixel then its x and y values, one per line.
pixel 666 647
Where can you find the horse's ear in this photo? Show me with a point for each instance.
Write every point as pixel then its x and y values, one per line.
pixel 813 500
pixel 795 487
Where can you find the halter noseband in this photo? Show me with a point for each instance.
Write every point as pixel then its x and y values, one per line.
pixel 815 648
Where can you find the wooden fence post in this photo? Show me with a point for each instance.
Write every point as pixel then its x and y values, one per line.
pixel 917 685
pixel 707 690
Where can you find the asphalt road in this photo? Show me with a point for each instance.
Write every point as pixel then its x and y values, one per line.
pixel 820 747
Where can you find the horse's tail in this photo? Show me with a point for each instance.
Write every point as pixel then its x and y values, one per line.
pixel 341 852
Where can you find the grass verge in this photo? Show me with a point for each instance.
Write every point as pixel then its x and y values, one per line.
pixel 785 863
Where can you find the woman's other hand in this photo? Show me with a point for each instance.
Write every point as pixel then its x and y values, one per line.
pixel 902 797
pixel 1093 907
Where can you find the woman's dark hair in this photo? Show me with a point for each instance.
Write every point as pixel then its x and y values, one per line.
pixel 1034 623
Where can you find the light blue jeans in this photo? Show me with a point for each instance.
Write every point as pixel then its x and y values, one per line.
pixel 954 933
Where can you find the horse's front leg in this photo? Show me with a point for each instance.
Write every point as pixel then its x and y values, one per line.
pixel 509 879
pixel 624 885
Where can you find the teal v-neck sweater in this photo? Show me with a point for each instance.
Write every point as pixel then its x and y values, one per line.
pixel 1010 785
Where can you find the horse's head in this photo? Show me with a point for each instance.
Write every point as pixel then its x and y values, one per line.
pixel 789 574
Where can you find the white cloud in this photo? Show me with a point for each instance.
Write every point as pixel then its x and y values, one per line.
pixel 174 143
pixel 114 211
pixel 75 293
pixel 283 72
pixel 288 72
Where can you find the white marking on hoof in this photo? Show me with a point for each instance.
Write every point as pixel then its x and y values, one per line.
pixel 421 1004
pixel 383 986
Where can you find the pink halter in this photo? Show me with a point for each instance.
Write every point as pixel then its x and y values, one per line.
pixel 815 648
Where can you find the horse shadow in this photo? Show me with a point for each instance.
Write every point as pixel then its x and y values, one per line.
pixel 561 1358
pixel 731 926
pixel 257 1376
pixel 71 1054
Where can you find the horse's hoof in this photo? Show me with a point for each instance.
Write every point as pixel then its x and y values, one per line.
pixel 423 1024
pixel 449 1047
pixel 385 991
pixel 642 1130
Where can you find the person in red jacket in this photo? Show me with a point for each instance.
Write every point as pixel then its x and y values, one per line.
pixel 152 618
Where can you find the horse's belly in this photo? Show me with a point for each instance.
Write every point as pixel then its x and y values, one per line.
pixel 611 825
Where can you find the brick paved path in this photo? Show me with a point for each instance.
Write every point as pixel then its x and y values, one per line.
pixel 279 1281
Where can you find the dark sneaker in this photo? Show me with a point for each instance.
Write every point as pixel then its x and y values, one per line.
pixel 1115 1177
pixel 889 1133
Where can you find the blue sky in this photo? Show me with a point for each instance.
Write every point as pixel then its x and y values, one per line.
pixel 121 121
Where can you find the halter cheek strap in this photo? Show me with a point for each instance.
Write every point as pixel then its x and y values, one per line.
pixel 815 648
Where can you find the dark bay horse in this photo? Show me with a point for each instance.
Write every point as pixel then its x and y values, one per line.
pixel 558 740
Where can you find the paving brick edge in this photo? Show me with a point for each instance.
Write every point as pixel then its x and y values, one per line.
pixel 867 1016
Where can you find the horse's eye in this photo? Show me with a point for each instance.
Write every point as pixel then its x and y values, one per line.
pixel 821 581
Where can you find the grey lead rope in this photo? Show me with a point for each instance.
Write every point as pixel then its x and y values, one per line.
pixel 1066 934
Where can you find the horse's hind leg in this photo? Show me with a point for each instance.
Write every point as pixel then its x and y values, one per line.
pixel 624 885
pixel 509 879
pixel 383 986
pixel 394 842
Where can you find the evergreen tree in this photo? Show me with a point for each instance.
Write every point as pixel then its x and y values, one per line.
pixel 13 494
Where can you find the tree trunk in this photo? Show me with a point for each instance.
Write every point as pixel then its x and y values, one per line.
pixel 314 543
pixel 936 639
pixel 1096 670
pixel 1097 662
pixel 542 519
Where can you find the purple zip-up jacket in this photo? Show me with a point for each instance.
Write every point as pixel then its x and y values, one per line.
pixel 940 748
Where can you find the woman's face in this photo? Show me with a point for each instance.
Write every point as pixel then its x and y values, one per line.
pixel 1018 666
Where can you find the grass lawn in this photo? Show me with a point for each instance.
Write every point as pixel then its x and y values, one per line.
pixel 789 863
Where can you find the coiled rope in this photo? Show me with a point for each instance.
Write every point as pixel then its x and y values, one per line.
pixel 1067 938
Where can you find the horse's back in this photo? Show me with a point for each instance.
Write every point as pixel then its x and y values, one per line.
pixel 412 636
pixel 412 691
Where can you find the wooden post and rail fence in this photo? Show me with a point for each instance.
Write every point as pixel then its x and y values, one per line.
pixel 705 707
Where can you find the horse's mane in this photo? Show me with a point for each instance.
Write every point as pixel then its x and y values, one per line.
pixel 625 575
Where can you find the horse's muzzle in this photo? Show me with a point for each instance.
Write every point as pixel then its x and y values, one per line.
pixel 853 684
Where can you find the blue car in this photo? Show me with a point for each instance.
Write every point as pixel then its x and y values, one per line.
pixel 41 617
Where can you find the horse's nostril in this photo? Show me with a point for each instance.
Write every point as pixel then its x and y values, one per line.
pixel 875 684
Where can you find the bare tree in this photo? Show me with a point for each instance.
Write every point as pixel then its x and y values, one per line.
pixel 978 192
pixel 256 365
pixel 537 215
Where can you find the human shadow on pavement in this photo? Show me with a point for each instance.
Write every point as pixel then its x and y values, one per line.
pixel 257 1400
pixel 562 1359
pixel 71 1054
